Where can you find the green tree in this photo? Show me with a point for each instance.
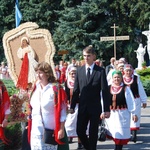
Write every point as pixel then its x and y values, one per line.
pixel 80 26
pixel 6 23
pixel 132 17
pixel 83 24
pixel 39 11
pixel 75 24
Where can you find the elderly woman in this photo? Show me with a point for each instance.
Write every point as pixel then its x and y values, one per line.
pixel 122 106
pixel 48 108
pixel 27 74
pixel 140 97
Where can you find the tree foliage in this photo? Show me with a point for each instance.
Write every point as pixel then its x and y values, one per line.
pixel 79 26
pixel 75 24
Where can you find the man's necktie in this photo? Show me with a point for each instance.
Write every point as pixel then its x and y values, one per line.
pixel 88 73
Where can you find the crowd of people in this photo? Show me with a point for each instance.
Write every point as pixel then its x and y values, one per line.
pixel 126 95
pixel 83 93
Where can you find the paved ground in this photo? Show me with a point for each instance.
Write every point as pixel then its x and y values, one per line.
pixel 143 141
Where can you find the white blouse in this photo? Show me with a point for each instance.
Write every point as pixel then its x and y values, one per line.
pixel 42 101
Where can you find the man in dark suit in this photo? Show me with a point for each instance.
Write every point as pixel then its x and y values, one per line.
pixel 87 88
pixel 111 65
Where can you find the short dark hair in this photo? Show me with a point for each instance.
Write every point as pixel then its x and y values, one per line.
pixel 89 49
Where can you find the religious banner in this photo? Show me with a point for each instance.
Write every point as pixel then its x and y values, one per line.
pixel 39 44
pixel 25 47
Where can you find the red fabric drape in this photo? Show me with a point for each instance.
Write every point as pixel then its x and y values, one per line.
pixel 4 105
pixel 30 119
pixel 29 129
pixel 23 76
pixel 60 98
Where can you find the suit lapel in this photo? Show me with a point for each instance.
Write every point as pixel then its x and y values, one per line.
pixel 83 74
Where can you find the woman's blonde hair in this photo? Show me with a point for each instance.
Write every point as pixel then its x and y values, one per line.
pixel 46 68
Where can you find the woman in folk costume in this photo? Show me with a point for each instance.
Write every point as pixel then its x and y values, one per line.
pixel 48 109
pixel 27 73
pixel 70 124
pixel 122 106
pixel 4 113
pixel 133 81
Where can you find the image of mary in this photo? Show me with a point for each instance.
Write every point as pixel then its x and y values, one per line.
pixel 27 74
